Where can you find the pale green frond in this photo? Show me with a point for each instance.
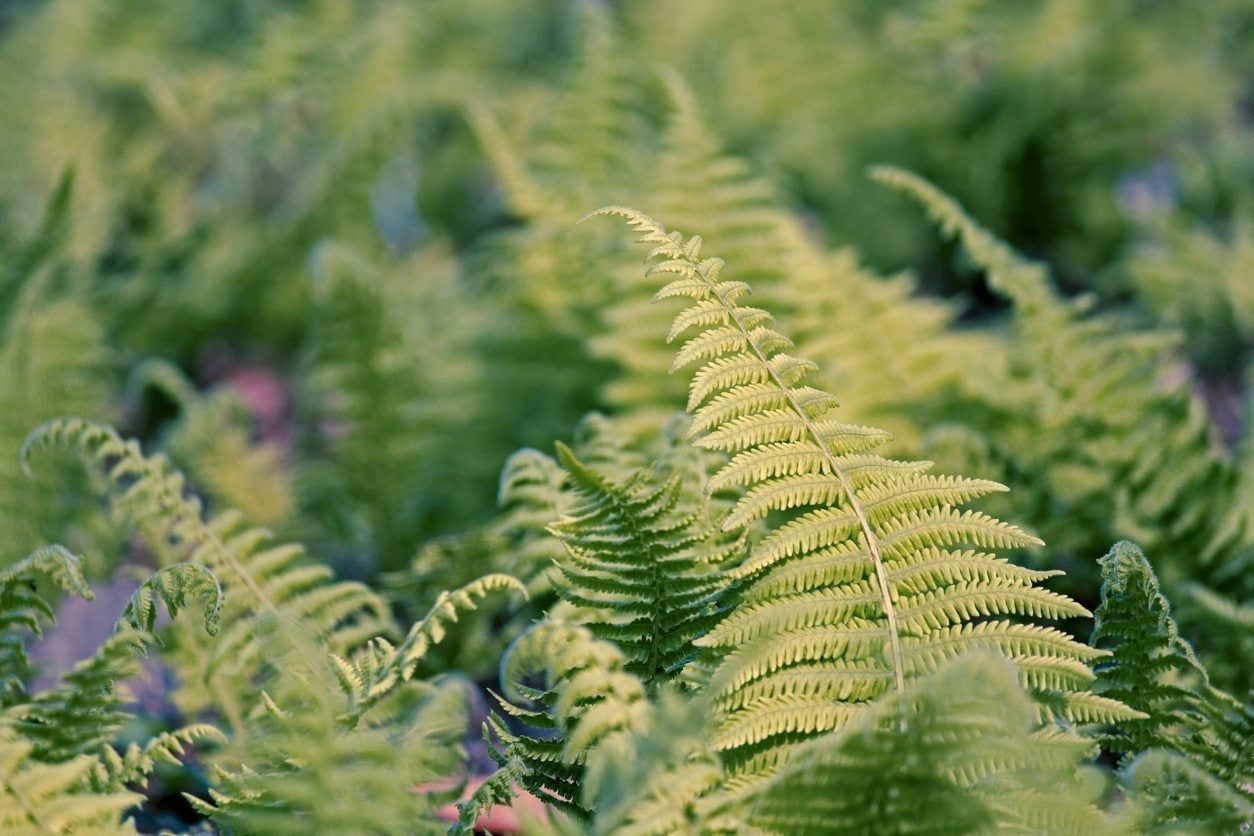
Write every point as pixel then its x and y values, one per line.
pixel 851 539
pixel 953 753
pixel 38 799
pixel 258 579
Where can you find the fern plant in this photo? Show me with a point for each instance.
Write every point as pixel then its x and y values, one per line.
pixel 636 561
pixel 61 772
pixel 859 584
pixel 1070 371
pixel 260 579
pixel 953 753
pixel 1188 758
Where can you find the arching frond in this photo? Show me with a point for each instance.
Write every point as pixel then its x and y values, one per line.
pixel 1089 427
pixel 176 586
pixel 861 583
pixel 259 579
pixel 377 669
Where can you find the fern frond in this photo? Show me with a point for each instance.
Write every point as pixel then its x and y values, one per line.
pixel 136 762
pixel 1171 791
pixel 39 798
pixel 1206 732
pixel 24 612
pixel 953 753
pixel 587 696
pixel 258 579
pixel 52 360
pixel 1146 465
pixel 632 558
pixel 302 768
pixel 378 668
pixel 176 586
pixel 388 385
pixel 864 544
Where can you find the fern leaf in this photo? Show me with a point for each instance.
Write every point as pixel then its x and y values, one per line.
pixel 1205 733
pixel 40 798
pixel 863 543
pixel 1145 465
pixel 258 579
pixel 23 611
pixel 176 586
pixel 633 558
pixel 951 754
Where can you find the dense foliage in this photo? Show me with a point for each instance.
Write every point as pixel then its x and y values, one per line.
pixel 411 502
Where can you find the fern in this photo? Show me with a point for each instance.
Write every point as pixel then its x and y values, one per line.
pixel 83 713
pixel 389 392
pixel 60 770
pixel 1200 283
pixel 303 769
pixel 634 559
pixel 379 668
pixel 587 696
pixel 259 579
pixel 23 611
pixel 860 585
pixel 1203 735
pixel 40 798
pixel 953 753
pixel 1144 466
pixel 52 358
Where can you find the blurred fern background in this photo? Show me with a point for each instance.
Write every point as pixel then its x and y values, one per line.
pixel 322 259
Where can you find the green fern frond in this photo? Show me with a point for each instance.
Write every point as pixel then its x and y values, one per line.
pixel 52 359
pixel 176 586
pixel 859 585
pixel 1173 793
pixel 258 579
pixel 1146 464
pixel 587 696
pixel 388 385
pixel 82 714
pixel 1153 669
pixel 24 612
pixel 953 753
pixel 133 765
pixel 661 778
pixel 302 769
pixel 40 799
pixel 632 558
pixel 374 671
pixel 533 495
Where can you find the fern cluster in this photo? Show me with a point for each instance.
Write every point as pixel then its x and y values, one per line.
pixel 299 286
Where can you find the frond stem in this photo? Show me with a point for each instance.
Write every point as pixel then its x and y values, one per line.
pixel 864 522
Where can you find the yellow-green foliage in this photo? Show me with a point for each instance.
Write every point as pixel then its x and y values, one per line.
pixel 334 248
pixel 865 580
pixel 1086 419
